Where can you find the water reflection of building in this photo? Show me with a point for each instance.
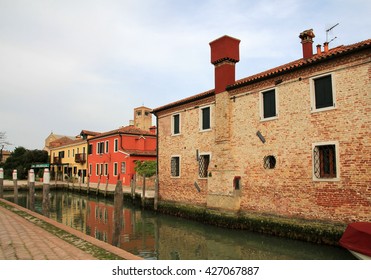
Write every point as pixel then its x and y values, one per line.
pixel 132 236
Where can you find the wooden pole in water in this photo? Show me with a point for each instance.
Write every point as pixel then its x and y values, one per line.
pixel 15 182
pixel 31 182
pixel 144 191
pixel 1 182
pixel 155 201
pixel 118 202
pixel 46 198
pixel 88 184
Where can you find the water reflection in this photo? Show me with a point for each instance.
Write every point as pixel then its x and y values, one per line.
pixel 155 236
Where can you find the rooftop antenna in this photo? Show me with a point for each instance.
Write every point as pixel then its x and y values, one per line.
pixel 328 30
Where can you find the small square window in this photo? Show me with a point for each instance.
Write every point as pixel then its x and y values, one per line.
pixel 322 93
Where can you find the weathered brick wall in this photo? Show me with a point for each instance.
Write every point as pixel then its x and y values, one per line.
pixel 289 189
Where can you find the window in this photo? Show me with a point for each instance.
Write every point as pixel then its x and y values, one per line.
pixel 325 161
pixel 90 149
pixel 106 147
pixel 116 145
pixel 61 154
pixel 90 169
pixel 175 166
pixel 268 104
pixel 123 167
pixel 97 172
pixel 100 148
pixel 203 165
pixel 105 169
pixel 205 118
pixel 176 124
pixel 322 92
pixel 269 162
pixel 115 169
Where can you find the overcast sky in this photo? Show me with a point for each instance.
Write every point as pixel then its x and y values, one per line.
pixel 69 65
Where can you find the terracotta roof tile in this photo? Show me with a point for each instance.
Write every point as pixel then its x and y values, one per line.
pixel 316 58
pixel 125 130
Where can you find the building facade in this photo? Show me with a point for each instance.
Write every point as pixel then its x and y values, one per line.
pixel 292 141
pixel 68 157
pixel 112 155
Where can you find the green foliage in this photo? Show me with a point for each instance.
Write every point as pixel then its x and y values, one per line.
pixel 146 168
pixel 21 159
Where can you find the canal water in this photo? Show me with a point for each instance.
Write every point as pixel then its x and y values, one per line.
pixel 161 237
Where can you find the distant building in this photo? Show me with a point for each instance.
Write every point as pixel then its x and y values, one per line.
pixel 292 141
pixel 53 137
pixel 4 155
pixel 142 118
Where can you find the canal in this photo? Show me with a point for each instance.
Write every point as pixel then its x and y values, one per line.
pixel 155 236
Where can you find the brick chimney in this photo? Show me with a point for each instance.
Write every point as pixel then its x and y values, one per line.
pixel 307 42
pixel 224 55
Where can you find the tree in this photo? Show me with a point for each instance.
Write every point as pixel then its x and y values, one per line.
pixel 145 168
pixel 22 159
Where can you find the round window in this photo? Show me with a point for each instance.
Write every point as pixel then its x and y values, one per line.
pixel 269 162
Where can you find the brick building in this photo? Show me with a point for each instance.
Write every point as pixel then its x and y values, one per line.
pixel 292 141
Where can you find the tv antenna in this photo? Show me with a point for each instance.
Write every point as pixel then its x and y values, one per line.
pixel 328 30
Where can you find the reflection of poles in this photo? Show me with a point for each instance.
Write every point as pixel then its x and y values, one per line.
pixel 98 184
pixel 46 198
pixel 105 190
pixel 117 214
pixel 156 194
pixel 1 182
pixel 88 185
pixel 15 186
pixel 144 191
pixel 31 182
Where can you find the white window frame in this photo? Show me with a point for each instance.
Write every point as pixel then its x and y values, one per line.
pixel 115 169
pixel 105 169
pixel 261 104
pixel 90 169
pixel 180 160
pixel 106 147
pixel 97 169
pixel 201 120
pixel 198 166
pixel 173 126
pixel 313 93
pixel 337 161
pixel 116 145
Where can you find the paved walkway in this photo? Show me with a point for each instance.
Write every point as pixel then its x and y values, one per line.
pixel 20 239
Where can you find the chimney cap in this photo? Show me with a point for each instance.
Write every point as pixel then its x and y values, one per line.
pixel 225 48
pixel 307 36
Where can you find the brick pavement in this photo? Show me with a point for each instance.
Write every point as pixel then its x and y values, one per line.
pixel 21 239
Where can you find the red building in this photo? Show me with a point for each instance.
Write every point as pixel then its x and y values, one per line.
pixel 112 155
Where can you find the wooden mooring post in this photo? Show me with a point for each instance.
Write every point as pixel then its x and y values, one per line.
pixel 118 202
pixel 46 191
pixel 15 182
pixel 1 182
pixel 31 186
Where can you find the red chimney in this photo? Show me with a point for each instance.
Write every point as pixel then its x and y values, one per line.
pixel 307 41
pixel 224 55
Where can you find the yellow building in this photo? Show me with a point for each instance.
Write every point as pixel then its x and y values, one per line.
pixel 68 157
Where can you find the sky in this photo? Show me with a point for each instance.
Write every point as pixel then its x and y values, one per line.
pixel 72 65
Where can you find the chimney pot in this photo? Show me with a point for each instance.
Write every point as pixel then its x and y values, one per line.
pixel 319 49
pixel 325 45
pixel 307 41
